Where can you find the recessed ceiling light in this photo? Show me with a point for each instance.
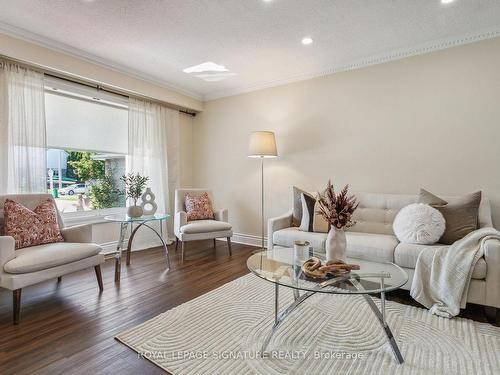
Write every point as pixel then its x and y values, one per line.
pixel 267 1
pixel 206 67
pixel 306 41
pixel 447 1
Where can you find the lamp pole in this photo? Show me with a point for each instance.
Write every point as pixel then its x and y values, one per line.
pixel 262 194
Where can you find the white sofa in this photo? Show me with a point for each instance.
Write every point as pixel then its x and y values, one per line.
pixel 372 238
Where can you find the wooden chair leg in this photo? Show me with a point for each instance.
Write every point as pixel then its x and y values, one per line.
pixel 59 279
pixel 99 277
pixel 16 299
pixel 229 246
pixel 176 243
pixel 182 250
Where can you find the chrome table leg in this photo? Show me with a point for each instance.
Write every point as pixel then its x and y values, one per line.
pixel 119 248
pixel 279 317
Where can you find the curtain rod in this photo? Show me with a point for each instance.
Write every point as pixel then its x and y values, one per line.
pixel 55 74
pixel 99 87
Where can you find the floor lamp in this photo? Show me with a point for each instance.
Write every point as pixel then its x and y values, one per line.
pixel 262 145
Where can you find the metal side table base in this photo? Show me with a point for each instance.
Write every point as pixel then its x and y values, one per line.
pixel 143 221
pixel 119 249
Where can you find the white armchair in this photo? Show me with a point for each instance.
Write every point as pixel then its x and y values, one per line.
pixel 31 265
pixel 199 229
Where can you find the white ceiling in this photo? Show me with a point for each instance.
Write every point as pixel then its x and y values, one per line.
pixel 257 40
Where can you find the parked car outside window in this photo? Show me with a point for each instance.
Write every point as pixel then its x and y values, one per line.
pixel 73 189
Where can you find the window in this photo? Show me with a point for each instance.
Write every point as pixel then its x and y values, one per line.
pixel 87 138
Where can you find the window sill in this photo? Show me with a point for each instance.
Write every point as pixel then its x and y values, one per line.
pixel 90 217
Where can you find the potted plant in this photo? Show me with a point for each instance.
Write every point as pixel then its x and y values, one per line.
pixel 134 187
pixel 337 210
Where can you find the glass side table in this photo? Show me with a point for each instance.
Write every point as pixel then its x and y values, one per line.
pixel 142 221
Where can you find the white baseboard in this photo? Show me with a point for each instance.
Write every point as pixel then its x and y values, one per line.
pixel 148 243
pixel 247 239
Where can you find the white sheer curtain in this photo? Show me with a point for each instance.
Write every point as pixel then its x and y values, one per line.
pixel 23 165
pixel 153 138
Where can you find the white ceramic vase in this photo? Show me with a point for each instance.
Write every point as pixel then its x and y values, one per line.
pixel 148 199
pixel 134 211
pixel 335 245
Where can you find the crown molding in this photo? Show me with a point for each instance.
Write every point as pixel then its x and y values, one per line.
pixel 105 63
pixel 399 54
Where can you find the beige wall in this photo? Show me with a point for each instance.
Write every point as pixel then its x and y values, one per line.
pixel 76 67
pixel 429 121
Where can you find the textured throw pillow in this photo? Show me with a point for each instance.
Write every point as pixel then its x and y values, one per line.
pixel 461 214
pixel 297 206
pixel 419 223
pixel 198 207
pixel 30 228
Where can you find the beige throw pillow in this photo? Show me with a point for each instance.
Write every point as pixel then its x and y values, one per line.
pixel 320 225
pixel 461 214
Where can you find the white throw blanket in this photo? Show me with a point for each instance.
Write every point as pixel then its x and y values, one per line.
pixel 443 274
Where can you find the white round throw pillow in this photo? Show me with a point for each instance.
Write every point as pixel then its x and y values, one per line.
pixel 419 223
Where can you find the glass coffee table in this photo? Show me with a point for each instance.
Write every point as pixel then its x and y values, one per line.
pixel 142 221
pixel 282 267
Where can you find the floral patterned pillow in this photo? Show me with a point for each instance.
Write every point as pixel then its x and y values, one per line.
pixel 30 228
pixel 198 207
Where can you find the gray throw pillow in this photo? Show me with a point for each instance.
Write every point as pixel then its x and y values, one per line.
pixel 461 214
pixel 297 206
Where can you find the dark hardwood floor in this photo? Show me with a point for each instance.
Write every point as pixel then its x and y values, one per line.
pixel 69 328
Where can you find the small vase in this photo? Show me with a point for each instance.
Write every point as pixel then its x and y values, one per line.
pixel 335 245
pixel 134 211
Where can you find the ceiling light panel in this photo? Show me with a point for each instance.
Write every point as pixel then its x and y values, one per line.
pixel 307 40
pixel 206 67
pixel 209 72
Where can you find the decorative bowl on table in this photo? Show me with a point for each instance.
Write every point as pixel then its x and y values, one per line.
pixel 313 268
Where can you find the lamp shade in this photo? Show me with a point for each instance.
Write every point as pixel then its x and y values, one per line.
pixel 262 144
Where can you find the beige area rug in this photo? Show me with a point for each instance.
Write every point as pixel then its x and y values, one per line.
pixel 222 331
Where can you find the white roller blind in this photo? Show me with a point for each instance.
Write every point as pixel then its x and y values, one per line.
pixel 85 124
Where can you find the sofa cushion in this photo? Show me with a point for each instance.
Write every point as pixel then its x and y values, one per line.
pixel 42 257
pixel 406 255
pixel 286 237
pixel 205 226
pixel 377 247
pixel 370 246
